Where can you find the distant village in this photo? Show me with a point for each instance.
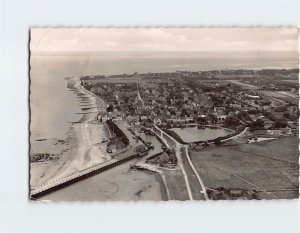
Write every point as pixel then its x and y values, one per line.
pixel 264 99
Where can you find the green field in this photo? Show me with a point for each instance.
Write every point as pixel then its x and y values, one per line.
pixel 271 167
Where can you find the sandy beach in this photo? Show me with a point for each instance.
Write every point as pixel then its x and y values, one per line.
pixel 81 149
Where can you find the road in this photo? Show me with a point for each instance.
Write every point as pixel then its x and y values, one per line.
pixel 190 173
pixel 178 146
pixel 204 192
pixel 139 95
pixel 236 136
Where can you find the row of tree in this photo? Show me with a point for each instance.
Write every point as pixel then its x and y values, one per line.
pixel 118 132
pixel 174 135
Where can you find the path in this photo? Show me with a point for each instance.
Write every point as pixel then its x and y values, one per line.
pixel 139 95
pixel 236 136
pixel 204 192
pixel 179 159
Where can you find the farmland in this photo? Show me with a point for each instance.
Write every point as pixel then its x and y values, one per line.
pixel 270 167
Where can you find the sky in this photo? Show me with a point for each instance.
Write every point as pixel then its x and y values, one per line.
pixel 164 39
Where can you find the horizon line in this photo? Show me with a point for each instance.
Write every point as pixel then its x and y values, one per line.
pixel 162 51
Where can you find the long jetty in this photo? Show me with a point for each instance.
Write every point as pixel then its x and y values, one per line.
pixel 62 182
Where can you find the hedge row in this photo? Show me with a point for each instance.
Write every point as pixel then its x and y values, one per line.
pixel 174 135
pixel 117 131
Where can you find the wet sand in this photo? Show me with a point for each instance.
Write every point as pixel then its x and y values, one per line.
pixel 117 184
pixel 84 149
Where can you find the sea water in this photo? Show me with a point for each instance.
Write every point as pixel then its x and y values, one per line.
pixel 53 106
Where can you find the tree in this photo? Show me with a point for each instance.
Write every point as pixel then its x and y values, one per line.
pixel 243 115
pixel 232 121
pixel 213 117
pixel 286 115
pixel 267 114
pixel 254 111
pixel 202 120
pixel 280 124
pixel 258 124
pixel 110 108
pixel 184 113
pixel 217 141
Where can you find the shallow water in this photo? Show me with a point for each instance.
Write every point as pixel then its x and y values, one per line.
pixel 52 105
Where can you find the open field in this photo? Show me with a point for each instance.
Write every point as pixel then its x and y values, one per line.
pixel 291 94
pixel 275 94
pixel 281 95
pixel 194 183
pixel 244 85
pixel 269 167
pixel 296 81
pixel 176 185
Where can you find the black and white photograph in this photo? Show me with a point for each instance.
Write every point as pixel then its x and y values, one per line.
pixel 149 116
pixel 159 114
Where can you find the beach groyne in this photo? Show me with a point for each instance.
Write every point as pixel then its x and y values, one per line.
pixel 62 182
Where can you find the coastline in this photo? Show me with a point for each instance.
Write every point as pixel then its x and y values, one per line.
pixel 80 151
pixel 84 139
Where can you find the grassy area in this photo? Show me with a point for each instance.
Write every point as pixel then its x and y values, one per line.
pixel 194 183
pixel 176 185
pixel 281 96
pixel 162 188
pixel 270 167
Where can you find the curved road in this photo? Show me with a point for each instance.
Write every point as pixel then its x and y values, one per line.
pixel 180 163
